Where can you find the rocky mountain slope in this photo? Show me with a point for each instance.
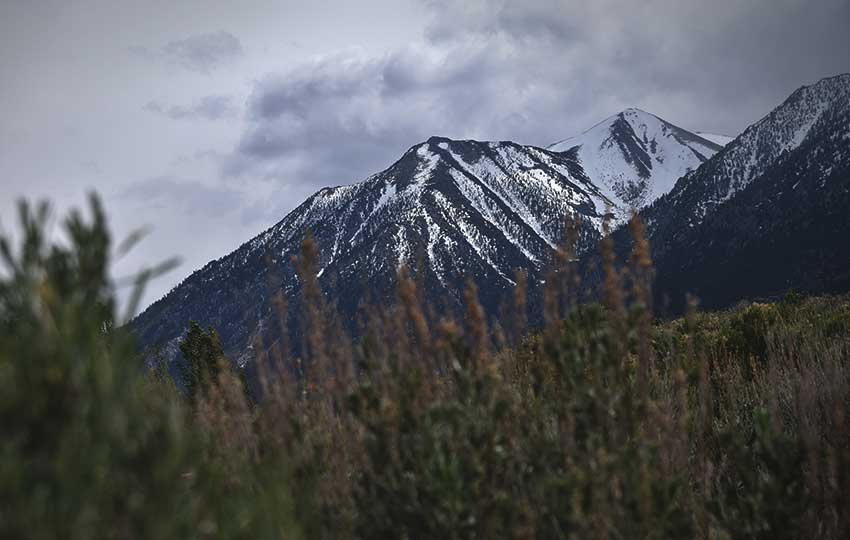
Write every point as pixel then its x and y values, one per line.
pixel 767 213
pixel 465 209
pixel 456 210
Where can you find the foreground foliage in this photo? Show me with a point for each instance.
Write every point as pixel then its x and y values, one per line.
pixel 604 424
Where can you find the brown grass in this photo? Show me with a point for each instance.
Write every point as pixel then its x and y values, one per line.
pixel 602 425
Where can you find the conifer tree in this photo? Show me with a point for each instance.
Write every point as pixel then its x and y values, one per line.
pixel 203 357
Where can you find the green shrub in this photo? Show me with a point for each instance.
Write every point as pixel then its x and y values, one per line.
pixel 604 424
pixel 93 447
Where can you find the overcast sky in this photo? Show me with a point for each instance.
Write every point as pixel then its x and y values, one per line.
pixel 208 121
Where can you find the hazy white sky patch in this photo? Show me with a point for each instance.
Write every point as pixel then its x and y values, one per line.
pixel 205 108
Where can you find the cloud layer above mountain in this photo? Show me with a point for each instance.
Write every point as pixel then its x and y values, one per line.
pixel 536 72
pixel 211 119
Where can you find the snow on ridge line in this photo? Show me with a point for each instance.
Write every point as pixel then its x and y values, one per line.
pixel 492 170
pixel 758 147
pixel 629 113
pixel 522 187
pixel 635 157
pixel 473 237
pixel 478 199
pixel 388 193
pixel 716 138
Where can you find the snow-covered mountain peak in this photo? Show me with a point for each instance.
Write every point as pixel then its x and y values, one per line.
pixel 635 156
pixel 766 213
pixel 463 209
pixel 458 210
pixel 759 147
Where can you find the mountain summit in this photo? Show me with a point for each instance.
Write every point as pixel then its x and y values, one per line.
pixel 635 157
pixel 766 214
pixel 450 211
pixel 464 209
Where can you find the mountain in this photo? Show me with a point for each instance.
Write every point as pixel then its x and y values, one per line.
pixel 635 157
pixel 720 140
pixel 466 209
pixel 449 211
pixel 767 213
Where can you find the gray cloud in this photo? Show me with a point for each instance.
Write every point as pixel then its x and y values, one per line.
pixel 319 112
pixel 92 167
pixel 207 108
pixel 202 53
pixel 537 72
pixel 190 196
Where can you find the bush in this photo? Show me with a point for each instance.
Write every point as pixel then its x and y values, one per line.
pixel 601 424
pixel 92 445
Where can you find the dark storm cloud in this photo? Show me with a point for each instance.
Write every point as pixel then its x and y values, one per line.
pixel 206 108
pixel 537 72
pixel 202 53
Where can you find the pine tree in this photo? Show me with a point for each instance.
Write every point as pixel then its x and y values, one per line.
pixel 203 357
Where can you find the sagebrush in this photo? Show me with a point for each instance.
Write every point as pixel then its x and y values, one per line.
pixel 605 423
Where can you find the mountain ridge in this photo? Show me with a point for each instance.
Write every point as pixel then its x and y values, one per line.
pixel 734 227
pixel 746 156
pixel 478 210
pixel 472 210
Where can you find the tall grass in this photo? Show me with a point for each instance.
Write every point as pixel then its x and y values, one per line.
pixel 603 424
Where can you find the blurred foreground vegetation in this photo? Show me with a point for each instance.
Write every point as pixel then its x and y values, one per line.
pixel 604 424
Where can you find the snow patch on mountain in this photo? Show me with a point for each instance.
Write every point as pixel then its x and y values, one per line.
pixel 454 210
pixel 716 138
pixel 760 145
pixel 636 157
